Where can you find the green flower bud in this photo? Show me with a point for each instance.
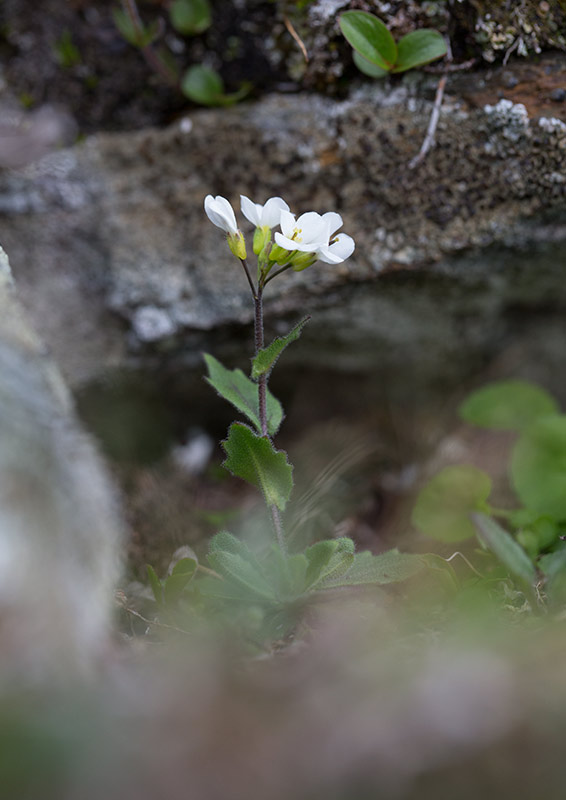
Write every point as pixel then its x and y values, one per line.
pixel 237 244
pixel 301 261
pixel 262 236
pixel 279 255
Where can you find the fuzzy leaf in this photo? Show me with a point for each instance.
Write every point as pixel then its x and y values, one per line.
pixel 369 37
pixel 203 85
pixel 190 17
pixel 254 459
pixel 443 506
pixel 328 560
pixel 126 26
pixel 266 358
pixel 289 574
pixel 507 405
pixel 369 69
pixel 507 550
pixel 389 567
pixel 538 466
pixel 182 573
pixel 238 389
pixel 418 48
pixel 242 573
pixel 155 584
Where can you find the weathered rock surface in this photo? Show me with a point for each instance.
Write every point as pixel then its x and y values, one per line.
pixel 120 267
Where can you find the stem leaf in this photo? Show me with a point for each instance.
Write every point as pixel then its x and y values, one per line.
pixel 328 560
pixel 242 393
pixel 254 459
pixel 266 358
pixel 505 548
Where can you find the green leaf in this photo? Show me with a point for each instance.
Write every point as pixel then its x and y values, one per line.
pixel 155 584
pixel 365 66
pixel 182 573
pixel 231 544
pixel 126 26
pixel 507 405
pixel 443 506
pixel 369 37
pixel 190 17
pixel 150 34
pixel 203 85
pixel 418 48
pixel 289 574
pixel 538 466
pixel 266 358
pixel 328 560
pixel 241 573
pixel 238 389
pixel 389 567
pixel 553 566
pixel 254 459
pixel 507 550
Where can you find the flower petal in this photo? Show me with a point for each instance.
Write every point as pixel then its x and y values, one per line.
pixel 285 242
pixel 251 211
pixel 341 248
pixel 220 213
pixel 312 228
pixel 272 211
pixel 333 220
pixel 287 223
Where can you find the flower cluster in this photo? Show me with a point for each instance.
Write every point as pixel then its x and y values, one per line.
pixel 300 242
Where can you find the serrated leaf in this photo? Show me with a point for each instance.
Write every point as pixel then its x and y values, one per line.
pixel 369 37
pixel 389 567
pixel 155 584
pixel 242 393
pixel 538 466
pixel 242 573
pixel 505 548
pixel 190 17
pixel 203 85
pixel 254 459
pixel 369 69
pixel 418 48
pixel 444 504
pixel 507 405
pixel 182 573
pixel 328 559
pixel 266 358
pixel 231 544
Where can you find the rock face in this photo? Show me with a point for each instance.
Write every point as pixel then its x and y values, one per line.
pixel 119 266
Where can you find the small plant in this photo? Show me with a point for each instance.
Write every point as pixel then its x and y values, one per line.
pixel 199 83
pixel 267 585
pixel 376 53
pixel 66 51
pixel 455 504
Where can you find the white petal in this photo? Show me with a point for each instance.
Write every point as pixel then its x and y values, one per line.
pixel 341 249
pixel 312 228
pixel 285 242
pixel 220 213
pixel 333 220
pixel 251 211
pixel 287 222
pixel 272 211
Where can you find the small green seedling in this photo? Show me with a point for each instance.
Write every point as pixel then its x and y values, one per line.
pixel 454 505
pixel 376 53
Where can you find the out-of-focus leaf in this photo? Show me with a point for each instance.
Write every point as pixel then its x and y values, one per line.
pixel 538 466
pixel 389 567
pixel 444 504
pixel 505 548
pixel 507 405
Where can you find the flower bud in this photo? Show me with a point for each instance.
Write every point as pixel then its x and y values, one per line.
pixel 237 244
pixel 301 261
pixel 261 237
pixel 279 255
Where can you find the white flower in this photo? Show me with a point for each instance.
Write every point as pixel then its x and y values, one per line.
pixel 266 216
pixel 220 213
pixel 313 233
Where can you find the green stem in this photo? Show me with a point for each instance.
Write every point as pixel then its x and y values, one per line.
pixel 276 273
pixel 152 58
pixel 262 397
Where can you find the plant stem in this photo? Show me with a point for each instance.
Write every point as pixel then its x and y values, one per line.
pixel 249 277
pixel 277 272
pixel 262 396
pixel 152 58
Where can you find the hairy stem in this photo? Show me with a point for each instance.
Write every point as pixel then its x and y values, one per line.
pixel 262 395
